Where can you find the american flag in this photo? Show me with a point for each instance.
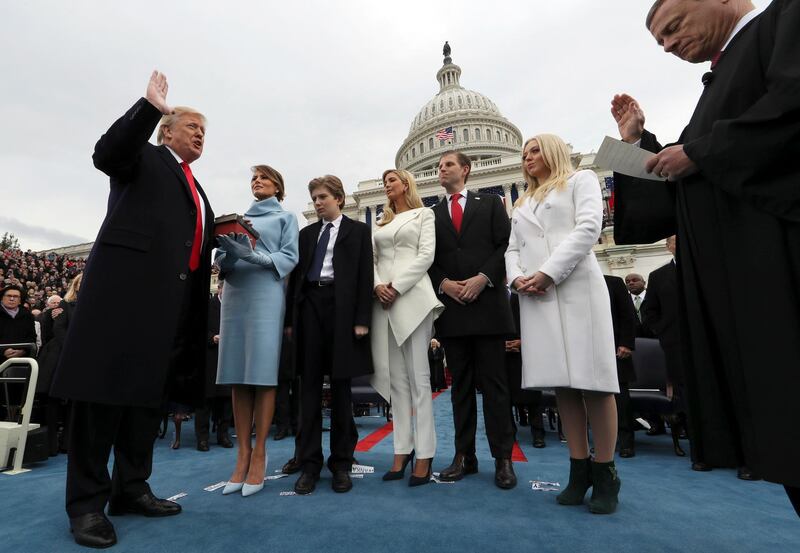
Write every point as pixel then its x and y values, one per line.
pixel 445 134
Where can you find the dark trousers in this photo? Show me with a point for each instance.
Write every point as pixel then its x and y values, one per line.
pixel 624 416
pixel 317 316
pixel 95 428
pixel 218 409
pixel 480 361
pixel 287 404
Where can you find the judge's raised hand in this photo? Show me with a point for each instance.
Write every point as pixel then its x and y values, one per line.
pixel 629 117
pixel 157 92
pixel 671 163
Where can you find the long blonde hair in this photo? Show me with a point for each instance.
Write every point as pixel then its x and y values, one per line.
pixel 412 196
pixel 556 156
pixel 74 286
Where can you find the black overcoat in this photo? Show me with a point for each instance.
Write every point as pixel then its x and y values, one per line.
pixel 353 277
pixel 480 247
pixel 212 389
pixel 120 353
pixel 738 227
pixel 623 317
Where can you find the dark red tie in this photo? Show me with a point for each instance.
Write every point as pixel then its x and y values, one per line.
pixel 197 243
pixel 456 213
pixel 715 59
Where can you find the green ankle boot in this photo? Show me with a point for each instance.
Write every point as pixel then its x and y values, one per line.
pixel 605 493
pixel 580 480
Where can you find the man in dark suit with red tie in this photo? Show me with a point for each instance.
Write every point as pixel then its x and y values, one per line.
pixel 468 272
pixel 118 366
pixel 732 197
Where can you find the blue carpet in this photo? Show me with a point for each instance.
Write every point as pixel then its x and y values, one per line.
pixel 664 506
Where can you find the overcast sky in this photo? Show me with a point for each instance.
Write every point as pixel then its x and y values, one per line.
pixel 310 88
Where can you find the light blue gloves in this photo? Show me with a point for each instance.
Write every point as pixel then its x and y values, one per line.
pixel 239 247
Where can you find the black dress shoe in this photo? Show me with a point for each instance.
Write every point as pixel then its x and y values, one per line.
pixel 202 445
pixel 93 530
pixel 627 452
pixel 745 473
pixel 292 466
pixel 146 505
pixel 224 440
pixel 538 439
pixel 281 434
pixel 700 466
pixel 504 476
pixel 306 483
pixel 461 466
pixel 341 482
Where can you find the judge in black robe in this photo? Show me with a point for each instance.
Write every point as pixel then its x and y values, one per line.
pixel 736 209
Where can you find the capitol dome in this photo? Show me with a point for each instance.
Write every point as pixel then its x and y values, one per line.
pixel 478 128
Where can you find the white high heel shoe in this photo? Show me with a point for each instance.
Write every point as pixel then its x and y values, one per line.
pixel 250 489
pixel 232 487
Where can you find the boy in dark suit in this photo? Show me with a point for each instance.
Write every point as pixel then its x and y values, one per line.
pixel 331 289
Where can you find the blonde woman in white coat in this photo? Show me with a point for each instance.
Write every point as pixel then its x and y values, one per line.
pixel 402 322
pixel 565 316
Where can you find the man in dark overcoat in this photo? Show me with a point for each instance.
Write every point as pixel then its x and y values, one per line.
pixel 732 195
pixel 119 366
pixel 331 293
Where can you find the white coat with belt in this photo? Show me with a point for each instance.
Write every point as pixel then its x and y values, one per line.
pixel 567 334
pixel 403 251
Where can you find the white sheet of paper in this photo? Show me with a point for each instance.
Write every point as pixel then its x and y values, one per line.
pixel 619 156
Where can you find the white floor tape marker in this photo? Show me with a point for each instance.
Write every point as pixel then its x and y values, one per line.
pixel 214 487
pixel 177 496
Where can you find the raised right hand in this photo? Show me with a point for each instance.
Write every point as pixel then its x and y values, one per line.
pixel 157 92
pixel 629 117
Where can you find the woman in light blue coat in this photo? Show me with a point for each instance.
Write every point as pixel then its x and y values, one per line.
pixel 251 324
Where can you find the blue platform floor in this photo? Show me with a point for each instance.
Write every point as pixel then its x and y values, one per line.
pixel 664 506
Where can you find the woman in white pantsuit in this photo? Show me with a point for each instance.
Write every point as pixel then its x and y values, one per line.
pixel 565 315
pixel 402 322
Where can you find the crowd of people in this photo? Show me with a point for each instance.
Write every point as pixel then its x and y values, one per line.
pixel 41 276
pixel 354 302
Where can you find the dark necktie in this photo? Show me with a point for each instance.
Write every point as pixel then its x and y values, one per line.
pixel 319 254
pixel 456 213
pixel 197 243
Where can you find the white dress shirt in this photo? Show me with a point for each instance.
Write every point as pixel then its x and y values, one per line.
pixel 327 263
pixel 462 201
pixel 199 198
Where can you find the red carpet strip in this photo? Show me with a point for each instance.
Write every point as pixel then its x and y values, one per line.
pixel 516 454
pixel 370 441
